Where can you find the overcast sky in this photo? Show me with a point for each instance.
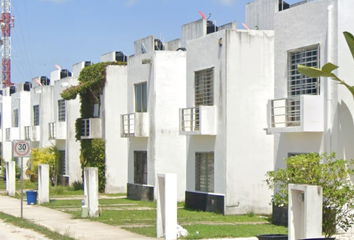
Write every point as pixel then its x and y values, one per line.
pixel 65 32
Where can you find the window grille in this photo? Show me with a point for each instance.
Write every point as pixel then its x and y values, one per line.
pixel 140 167
pixel 141 97
pixel 204 87
pixel 299 84
pixel 85 127
pixel 52 130
pixel 36 115
pixel 27 133
pixel 61 110
pixel 62 163
pixel 204 171
pixel 15 118
pixel 8 134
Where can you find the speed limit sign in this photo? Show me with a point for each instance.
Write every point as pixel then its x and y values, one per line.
pixel 22 148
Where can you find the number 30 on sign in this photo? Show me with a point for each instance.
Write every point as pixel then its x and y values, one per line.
pixel 22 148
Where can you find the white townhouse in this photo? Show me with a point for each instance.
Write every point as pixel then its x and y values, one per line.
pixel 229 80
pixel 156 90
pixel 308 114
pixel 61 130
pixel 15 114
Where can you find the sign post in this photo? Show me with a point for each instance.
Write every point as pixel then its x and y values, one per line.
pixel 21 149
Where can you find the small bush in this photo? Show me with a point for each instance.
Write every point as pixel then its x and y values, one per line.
pixel 58 190
pixel 77 185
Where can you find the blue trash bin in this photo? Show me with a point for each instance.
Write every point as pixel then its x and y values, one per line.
pixel 31 197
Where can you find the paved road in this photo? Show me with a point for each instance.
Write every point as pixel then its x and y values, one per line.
pixel 10 232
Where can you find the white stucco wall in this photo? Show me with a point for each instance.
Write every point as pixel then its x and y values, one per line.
pixel 297 27
pixel 114 103
pixel 6 122
pixel 249 151
pixel 260 14
pixel 241 147
pixel 165 148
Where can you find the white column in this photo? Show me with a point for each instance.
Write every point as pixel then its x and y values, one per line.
pixel 166 219
pixel 10 178
pixel 304 211
pixel 91 190
pixel 43 183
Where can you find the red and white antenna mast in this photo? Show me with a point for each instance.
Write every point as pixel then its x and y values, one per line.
pixel 6 23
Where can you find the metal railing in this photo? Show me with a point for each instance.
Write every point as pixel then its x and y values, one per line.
pixel 190 119
pixel 85 127
pixel 28 133
pixel 127 125
pixel 8 134
pixel 286 112
pixel 52 130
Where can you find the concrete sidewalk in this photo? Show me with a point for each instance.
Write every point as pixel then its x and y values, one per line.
pixel 63 223
pixel 81 229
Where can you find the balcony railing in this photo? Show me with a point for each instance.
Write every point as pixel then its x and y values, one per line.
pixel 296 114
pixel 91 128
pixel 135 125
pixel 28 132
pixel 52 130
pixel 8 134
pixel 198 120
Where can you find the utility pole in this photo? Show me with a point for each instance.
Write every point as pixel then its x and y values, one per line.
pixel 6 22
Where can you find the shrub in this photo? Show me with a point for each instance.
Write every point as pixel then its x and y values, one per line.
pixel 77 185
pixel 326 171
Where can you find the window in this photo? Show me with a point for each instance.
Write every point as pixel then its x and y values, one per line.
pixel 204 171
pixel 141 97
pixel 15 118
pixel 62 163
pixel 61 110
pixel 85 127
pixel 204 87
pixel 299 84
pixel 36 115
pixel 140 167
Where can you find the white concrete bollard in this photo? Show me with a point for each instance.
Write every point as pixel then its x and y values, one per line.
pixel 166 214
pixel 304 211
pixel 91 190
pixel 10 178
pixel 43 183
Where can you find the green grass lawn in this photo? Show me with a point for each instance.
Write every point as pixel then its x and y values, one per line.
pixel 128 214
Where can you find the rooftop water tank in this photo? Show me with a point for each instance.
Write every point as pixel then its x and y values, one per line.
pixel 65 73
pixel 27 86
pixel 12 89
pixel 158 45
pixel 45 81
pixel 211 27
pixel 120 57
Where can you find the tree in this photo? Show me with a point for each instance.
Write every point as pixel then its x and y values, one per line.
pixel 328 68
pixel 332 175
pixel 49 155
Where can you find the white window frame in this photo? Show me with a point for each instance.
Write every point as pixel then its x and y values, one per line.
pixel 36 115
pixel 204 87
pixel 15 118
pixel 204 171
pixel 141 99
pixel 61 110
pixel 140 167
pixel 299 84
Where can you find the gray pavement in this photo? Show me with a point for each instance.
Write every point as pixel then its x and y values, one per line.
pixel 81 229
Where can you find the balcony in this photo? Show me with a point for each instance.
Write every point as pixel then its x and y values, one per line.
pixel 51 130
pixel 198 120
pixel 28 133
pixel 298 114
pixel 91 128
pixel 60 128
pixel 135 125
pixel 12 134
pixel 36 133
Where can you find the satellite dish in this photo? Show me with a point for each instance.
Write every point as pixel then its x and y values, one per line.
pixel 143 48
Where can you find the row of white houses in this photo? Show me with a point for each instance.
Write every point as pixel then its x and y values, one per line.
pixel 219 107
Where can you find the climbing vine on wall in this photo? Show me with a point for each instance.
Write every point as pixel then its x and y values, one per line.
pixel 91 83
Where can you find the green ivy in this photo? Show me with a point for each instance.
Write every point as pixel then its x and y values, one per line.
pixel 91 83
